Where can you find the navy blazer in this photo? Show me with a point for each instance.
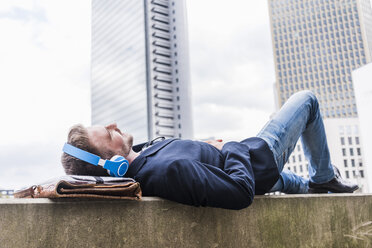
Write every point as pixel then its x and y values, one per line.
pixel 197 173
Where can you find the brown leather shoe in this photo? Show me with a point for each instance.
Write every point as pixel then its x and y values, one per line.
pixel 336 185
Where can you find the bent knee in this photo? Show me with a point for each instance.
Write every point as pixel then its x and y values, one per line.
pixel 307 95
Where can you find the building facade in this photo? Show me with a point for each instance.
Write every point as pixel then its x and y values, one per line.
pixel 140 68
pixel 6 193
pixel 363 92
pixel 317 44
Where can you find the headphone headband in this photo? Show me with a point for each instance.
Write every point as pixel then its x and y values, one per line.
pixel 83 155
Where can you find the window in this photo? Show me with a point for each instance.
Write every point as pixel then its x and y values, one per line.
pixel 360 164
pixel 352 163
pixel 354 174
pixel 293 159
pixel 351 152
pixel 361 173
pixel 346 174
pixel 358 151
pixel 343 152
pixel 357 140
pixel 350 140
pixel 345 163
pixel 342 141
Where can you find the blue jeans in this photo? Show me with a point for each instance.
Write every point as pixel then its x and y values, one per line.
pixel 299 117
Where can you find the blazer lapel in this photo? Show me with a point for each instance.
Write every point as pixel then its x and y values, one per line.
pixel 156 147
pixel 138 163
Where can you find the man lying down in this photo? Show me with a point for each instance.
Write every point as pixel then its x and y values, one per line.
pixel 214 173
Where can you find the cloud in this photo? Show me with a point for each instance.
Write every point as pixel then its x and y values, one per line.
pixel 231 67
pixel 45 76
pixel 26 165
pixel 228 123
pixel 45 61
pixel 245 88
pixel 25 15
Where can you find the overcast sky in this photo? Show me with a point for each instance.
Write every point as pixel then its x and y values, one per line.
pixel 45 77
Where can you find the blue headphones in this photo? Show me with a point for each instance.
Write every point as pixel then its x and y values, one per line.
pixel 117 166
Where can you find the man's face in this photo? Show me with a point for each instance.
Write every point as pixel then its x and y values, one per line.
pixel 110 138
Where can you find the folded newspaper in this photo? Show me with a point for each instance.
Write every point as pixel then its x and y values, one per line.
pixel 84 187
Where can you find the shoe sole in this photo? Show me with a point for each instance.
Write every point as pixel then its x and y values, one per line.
pixel 323 191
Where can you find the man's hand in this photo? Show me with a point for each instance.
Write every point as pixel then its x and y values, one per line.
pixel 216 143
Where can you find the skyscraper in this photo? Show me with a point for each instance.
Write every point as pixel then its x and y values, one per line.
pixel 140 67
pixel 316 46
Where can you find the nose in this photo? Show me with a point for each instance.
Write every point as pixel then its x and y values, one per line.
pixel 112 126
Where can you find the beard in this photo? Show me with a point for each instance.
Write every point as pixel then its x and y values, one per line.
pixel 127 146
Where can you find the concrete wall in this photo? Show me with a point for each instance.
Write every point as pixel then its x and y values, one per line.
pixel 334 220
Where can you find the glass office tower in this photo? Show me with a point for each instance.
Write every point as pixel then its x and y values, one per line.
pixel 140 67
pixel 317 44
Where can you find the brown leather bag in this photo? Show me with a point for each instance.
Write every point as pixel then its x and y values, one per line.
pixel 84 187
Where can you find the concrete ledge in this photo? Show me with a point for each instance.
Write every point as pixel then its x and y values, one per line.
pixel 334 220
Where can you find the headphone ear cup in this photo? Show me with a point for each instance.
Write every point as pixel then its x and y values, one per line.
pixel 122 165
